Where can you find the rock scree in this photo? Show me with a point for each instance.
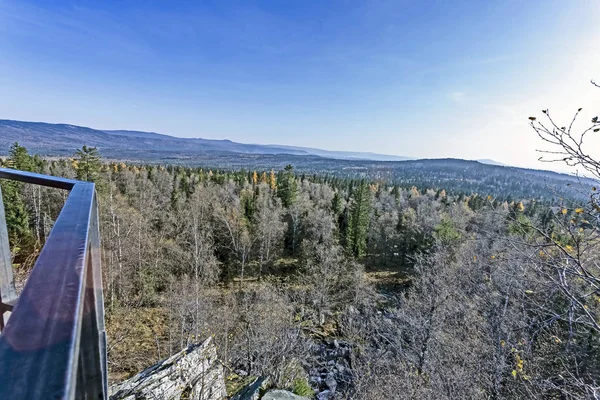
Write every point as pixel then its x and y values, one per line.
pixel 193 373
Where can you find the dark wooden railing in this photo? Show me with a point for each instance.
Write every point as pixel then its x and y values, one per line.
pixel 52 340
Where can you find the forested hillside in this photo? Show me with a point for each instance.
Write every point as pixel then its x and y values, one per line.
pixel 342 288
pixel 143 148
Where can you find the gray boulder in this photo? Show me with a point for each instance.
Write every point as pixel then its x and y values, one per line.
pixel 325 395
pixel 331 382
pixel 194 372
pixel 282 395
pixel 250 391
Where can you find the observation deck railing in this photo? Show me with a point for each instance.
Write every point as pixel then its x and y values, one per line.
pixel 52 339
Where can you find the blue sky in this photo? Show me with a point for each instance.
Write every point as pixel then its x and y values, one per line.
pixel 414 78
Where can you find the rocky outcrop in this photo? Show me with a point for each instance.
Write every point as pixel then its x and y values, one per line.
pixel 250 391
pixel 193 373
pixel 282 395
pixel 333 373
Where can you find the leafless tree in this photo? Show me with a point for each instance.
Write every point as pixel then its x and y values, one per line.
pixel 269 226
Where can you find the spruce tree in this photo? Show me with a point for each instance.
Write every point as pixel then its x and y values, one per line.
pixel 358 229
pixel 288 187
pixel 87 164
pixel 17 217
pixel 336 204
pixel 396 192
pixel 20 159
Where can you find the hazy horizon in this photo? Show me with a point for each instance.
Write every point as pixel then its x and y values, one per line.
pixel 433 80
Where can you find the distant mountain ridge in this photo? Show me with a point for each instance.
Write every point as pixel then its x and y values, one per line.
pixel 62 139
pixel 455 175
pixel 491 162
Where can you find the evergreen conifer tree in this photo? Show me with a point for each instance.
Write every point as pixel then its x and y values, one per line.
pixel 288 187
pixel 358 229
pixel 87 164
pixel 17 217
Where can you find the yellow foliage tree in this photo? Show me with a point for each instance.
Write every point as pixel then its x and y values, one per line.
pixel 273 180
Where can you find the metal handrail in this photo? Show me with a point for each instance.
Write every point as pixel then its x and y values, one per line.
pixel 54 343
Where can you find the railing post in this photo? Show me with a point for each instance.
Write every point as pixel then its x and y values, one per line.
pixel 54 345
pixel 92 380
pixel 8 294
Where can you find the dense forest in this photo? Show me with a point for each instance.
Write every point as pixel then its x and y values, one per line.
pixel 336 287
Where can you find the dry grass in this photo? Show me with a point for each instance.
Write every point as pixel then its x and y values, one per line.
pixel 137 338
pixel 388 279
